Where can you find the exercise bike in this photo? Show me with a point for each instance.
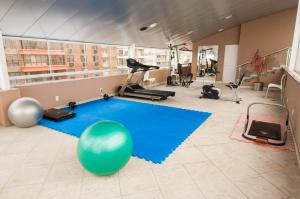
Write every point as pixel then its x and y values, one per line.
pixel 212 92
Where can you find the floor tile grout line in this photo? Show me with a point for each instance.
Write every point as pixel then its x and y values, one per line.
pixel 119 183
pixel 230 180
pixel 157 181
pixel 284 191
pixel 50 169
pixel 194 182
pixel 81 184
pixel 26 156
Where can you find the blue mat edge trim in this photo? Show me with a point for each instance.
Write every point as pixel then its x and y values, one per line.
pixel 129 100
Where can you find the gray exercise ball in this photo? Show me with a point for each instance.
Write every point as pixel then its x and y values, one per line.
pixel 25 112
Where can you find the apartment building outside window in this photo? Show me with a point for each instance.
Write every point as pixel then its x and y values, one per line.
pixel 153 56
pixel 34 61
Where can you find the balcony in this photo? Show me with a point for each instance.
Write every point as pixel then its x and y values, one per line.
pixel 27 69
pixel 41 52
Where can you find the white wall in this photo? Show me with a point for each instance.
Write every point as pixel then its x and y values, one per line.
pixel 4 80
pixel 295 55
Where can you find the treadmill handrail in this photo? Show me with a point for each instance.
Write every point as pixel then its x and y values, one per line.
pixel 137 66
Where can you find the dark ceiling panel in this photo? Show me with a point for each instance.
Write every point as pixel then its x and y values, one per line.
pixel 119 21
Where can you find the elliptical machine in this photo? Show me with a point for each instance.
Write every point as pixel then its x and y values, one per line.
pixel 212 92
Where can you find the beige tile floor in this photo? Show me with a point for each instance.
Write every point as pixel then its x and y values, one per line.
pixel 38 163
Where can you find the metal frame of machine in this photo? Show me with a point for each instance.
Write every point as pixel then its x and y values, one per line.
pixel 259 131
pixel 135 90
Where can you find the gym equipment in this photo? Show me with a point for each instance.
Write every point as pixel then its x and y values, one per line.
pixel 206 68
pixel 266 132
pixel 106 97
pixel 185 78
pixel 213 67
pixel 72 105
pixel 104 147
pixel 58 114
pixel 235 88
pixel 135 90
pixel 25 112
pixel 156 130
pixel 211 92
pixel 173 53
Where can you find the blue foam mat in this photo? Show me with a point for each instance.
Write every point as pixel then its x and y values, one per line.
pixel 156 130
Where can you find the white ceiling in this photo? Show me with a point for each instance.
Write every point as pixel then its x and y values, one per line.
pixel 119 21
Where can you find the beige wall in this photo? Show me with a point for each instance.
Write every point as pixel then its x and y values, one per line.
pixel 6 98
pixel 292 94
pixel 227 37
pixel 73 90
pixel 79 90
pixel 267 34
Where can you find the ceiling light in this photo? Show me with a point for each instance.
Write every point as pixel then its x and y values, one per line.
pixel 221 30
pixel 143 28
pixel 190 32
pixel 153 25
pixel 228 17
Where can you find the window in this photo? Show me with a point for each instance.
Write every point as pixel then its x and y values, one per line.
pixel 57 60
pixel 12 60
pixel 297 65
pixel 153 56
pixel 70 58
pixel 122 56
pixel 294 61
pixel 185 57
pixel 95 58
pixel 36 61
pixel 82 58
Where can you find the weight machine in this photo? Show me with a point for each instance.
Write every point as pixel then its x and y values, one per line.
pixel 185 77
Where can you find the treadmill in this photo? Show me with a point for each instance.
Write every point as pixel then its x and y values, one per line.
pixel 135 90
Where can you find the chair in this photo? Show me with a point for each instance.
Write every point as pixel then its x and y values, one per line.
pixel 277 86
pixel 148 79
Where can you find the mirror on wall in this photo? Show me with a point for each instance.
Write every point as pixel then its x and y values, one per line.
pixel 207 62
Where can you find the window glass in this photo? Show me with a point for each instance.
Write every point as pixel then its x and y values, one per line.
pixel 31 61
pixel 26 58
pixel 297 66
pixel 122 56
pixel 185 57
pixel 153 56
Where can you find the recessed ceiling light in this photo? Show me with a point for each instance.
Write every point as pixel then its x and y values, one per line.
pixel 190 32
pixel 228 17
pixel 143 28
pixel 221 29
pixel 153 25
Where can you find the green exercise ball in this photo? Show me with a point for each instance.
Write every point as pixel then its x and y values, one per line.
pixel 104 147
